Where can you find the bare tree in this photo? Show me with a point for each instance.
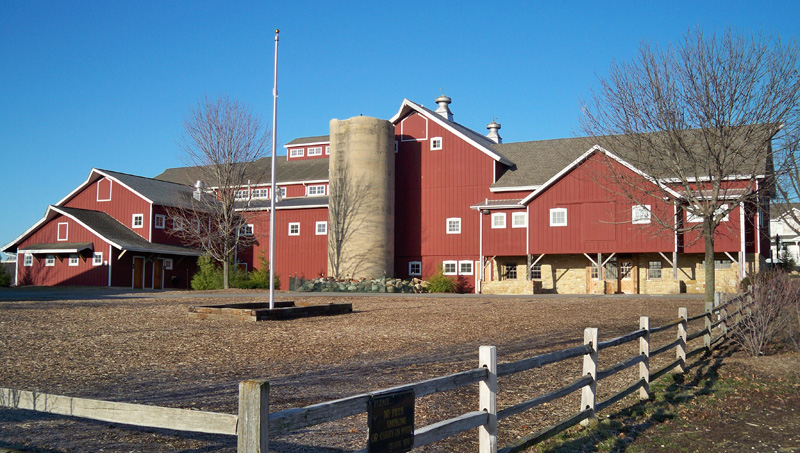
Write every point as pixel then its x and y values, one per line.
pixel 701 118
pixel 222 141
pixel 346 201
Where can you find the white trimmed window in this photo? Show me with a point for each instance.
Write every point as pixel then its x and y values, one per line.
pixel 63 231
pixel 454 225
pixel 450 267
pixel 74 260
pixel 28 260
pixel 261 193
pixel 97 259
pixel 415 268
pixel 692 218
pixel 195 225
pixel 294 229
pixel 242 194
pixel 160 221
pixel 282 192
pixel 640 214
pixel 50 261
pixel 246 230
pixel 328 150
pixel 315 151
pixel 315 191
pixel 322 228
pixel 138 220
pixel 296 152
pixel 519 220
pixel 654 270
pixel 722 207
pixel 436 143
pixel 536 271
pixel 177 224
pixel 465 268
pixel 168 264
pixel 558 217
pixel 499 220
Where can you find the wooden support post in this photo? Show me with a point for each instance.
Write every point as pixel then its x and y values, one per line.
pixel 589 392
pixel 487 440
pixel 529 268
pixel 709 306
pixel 723 314
pixel 644 350
pixel 680 352
pixel 252 429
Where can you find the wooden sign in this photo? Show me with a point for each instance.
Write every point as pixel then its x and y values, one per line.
pixel 391 422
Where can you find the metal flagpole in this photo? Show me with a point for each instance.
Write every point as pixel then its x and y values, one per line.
pixel 272 187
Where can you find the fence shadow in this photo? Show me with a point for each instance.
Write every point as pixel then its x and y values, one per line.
pixel 626 425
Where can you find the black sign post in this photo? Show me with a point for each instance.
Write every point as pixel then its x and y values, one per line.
pixel 391 422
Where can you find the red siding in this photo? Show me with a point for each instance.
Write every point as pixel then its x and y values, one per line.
pixel 122 206
pixel 508 241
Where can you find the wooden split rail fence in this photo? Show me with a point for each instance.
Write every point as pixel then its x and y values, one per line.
pixel 254 424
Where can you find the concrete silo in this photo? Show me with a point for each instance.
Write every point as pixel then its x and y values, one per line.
pixel 361 198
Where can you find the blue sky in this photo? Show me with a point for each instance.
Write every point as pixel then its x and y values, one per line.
pixel 107 84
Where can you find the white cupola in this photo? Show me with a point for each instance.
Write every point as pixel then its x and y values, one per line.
pixel 493 134
pixel 444 107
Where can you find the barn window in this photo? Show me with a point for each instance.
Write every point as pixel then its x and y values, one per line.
pixel 160 221
pixel 261 193
pixel 242 194
pixel 327 150
pixel 168 264
pixel 536 271
pixel 63 231
pixel 595 272
pixel 519 220
pixel 50 261
pixel 640 214
pixel 509 272
pixel 450 267
pixel 436 143
pixel 322 228
pixel 294 229
pixel 177 224
pixel 97 259
pixel 138 220
pixel 246 230
pixel 499 220
pixel 465 268
pixel 28 260
pixel 415 268
pixel 454 225
pixel 73 260
pixel 315 191
pixel 653 270
pixel 297 152
pixel 558 217
pixel 315 151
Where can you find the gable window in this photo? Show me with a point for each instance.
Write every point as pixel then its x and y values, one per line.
pixel 160 221
pixel 436 143
pixel 97 259
pixel 654 270
pixel 519 220
pixel 73 260
pixel 104 190
pixel 536 271
pixel 296 152
pixel 450 267
pixel 246 230
pixel 63 231
pixel 640 214
pixel 315 151
pixel 177 224
pixel 50 261
pixel 138 220
pixel 465 268
pixel 558 217
pixel 315 191
pixel 322 228
pixel 28 260
pixel 168 264
pixel 261 193
pixel 294 229
pixel 499 220
pixel 415 268
pixel 242 194
pixel 454 225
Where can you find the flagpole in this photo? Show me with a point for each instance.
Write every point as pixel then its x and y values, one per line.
pixel 272 186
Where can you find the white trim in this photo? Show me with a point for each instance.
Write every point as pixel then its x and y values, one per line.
pixel 498 215
pixel 415 274
pixel 708 178
pixel 434 146
pixel 317 225
pixel 402 131
pixel 110 189
pixel 133 221
pixel 58 231
pixel 168 264
pixel 282 208
pixel 515 215
pixel 457 223
pixel 306 144
pixel 74 260
pixel 89 180
pixel 455 266
pixel 513 189
pixel 163 219
pixel 291 224
pixel 471 268
pixel 557 211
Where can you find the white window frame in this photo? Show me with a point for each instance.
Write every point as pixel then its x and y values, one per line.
pixel 167 264
pixel 282 191
pixel 497 223
pixel 50 260
pixel 297 152
pixel 651 269
pixel 328 150
pixel 110 187
pixel 27 260
pixel 516 216
pixel 641 214
pixel 74 260
pixel 196 224
pixel 246 230
pixel 461 270
pixel 411 265
pixel 140 218
pixel 436 143
pixel 97 259
pixel 160 221
pixel 555 211
pixel 177 224
pixel 450 263
pixel 66 231
pixel 242 194
pixel 261 193
pixel 314 151
pixel 455 226
pixel 317 190
pixel 691 218
pixel 292 225
pixel 324 230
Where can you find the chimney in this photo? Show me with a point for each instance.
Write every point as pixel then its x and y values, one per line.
pixel 493 134
pixel 444 109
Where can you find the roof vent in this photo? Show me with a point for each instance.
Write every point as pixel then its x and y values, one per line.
pixel 493 135
pixel 444 109
pixel 199 187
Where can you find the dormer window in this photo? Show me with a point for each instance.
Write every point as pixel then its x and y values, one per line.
pixel 296 152
pixel 436 143
pixel 315 151
pixel 315 191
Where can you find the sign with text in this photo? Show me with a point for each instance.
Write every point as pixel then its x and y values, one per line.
pixel 391 422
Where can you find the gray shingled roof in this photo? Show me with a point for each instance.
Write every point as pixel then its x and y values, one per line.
pixel 286 203
pixel 117 233
pixel 306 140
pixel 288 171
pixel 160 192
pixel 57 247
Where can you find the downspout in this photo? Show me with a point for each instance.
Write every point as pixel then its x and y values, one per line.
pixel 743 257
pixel 110 258
pixel 480 252
pixel 16 268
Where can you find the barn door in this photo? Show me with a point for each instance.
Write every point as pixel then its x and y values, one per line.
pixel 158 274
pixel 138 272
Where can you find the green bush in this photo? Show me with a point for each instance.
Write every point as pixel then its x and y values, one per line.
pixel 208 276
pixel 259 277
pixel 440 283
pixel 5 279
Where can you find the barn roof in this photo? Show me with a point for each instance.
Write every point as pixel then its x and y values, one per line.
pixel 259 172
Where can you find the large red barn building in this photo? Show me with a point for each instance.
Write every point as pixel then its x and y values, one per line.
pixel 523 217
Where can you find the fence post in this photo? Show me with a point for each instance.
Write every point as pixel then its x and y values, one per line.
pixel 723 314
pixel 709 306
pixel 487 440
pixel 589 392
pixel 252 428
pixel 644 350
pixel 680 352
